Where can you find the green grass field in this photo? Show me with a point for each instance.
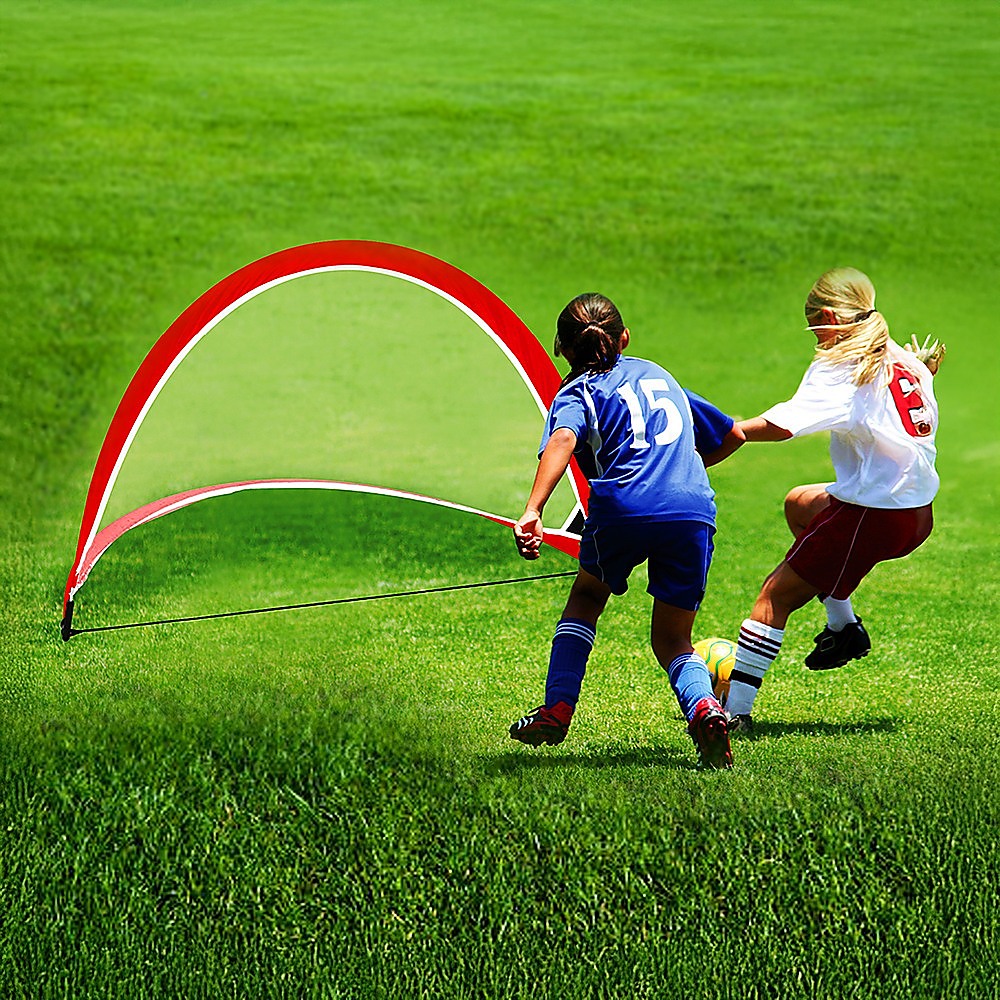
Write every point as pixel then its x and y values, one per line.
pixel 325 802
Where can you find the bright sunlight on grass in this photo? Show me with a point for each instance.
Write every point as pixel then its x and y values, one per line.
pixel 325 803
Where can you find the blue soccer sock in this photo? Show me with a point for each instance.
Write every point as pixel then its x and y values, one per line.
pixel 691 681
pixel 571 646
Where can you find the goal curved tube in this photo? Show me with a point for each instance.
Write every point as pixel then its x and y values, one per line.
pixel 563 539
pixel 486 309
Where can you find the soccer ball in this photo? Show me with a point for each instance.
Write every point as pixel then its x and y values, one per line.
pixel 720 658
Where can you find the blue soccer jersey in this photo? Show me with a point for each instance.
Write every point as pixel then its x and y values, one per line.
pixel 638 440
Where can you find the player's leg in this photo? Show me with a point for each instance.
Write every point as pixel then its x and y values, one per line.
pixel 607 556
pixel 570 651
pixel 879 535
pixel 574 639
pixel 783 592
pixel 587 599
pixel 803 503
pixel 678 562
pixel 836 550
pixel 670 635
pixel 876 535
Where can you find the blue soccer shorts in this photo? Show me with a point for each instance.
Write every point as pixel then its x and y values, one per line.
pixel 678 554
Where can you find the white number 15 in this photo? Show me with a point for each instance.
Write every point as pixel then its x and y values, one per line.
pixel 650 387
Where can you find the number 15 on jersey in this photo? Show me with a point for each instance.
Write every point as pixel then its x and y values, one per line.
pixel 655 395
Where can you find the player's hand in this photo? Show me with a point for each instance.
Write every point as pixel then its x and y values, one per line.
pixel 528 534
pixel 931 354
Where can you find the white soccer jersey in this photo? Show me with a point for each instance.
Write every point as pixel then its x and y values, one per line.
pixel 881 435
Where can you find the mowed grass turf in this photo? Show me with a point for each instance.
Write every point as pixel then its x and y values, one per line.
pixel 325 802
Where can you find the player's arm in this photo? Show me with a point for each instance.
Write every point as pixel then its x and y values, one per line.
pixel 716 435
pixel 733 441
pixel 760 429
pixel 551 468
pixel 824 401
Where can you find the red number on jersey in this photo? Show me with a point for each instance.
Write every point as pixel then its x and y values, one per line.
pixel 910 404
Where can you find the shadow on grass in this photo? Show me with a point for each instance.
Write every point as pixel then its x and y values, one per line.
pixel 528 760
pixel 538 760
pixel 764 730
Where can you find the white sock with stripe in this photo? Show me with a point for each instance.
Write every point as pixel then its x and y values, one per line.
pixel 838 613
pixel 756 650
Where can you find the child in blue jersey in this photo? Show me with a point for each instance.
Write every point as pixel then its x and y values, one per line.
pixel 643 443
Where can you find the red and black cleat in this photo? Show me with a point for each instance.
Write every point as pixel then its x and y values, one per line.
pixel 709 729
pixel 543 725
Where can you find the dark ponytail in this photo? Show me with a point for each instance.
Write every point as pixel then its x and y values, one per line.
pixel 589 334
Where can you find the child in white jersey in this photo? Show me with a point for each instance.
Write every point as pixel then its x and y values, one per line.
pixel 877 401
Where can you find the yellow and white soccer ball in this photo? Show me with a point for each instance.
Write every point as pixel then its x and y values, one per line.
pixel 720 658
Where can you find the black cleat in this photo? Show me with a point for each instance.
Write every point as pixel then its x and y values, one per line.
pixel 740 725
pixel 834 649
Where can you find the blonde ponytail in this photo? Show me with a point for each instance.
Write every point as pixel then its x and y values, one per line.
pixel 861 332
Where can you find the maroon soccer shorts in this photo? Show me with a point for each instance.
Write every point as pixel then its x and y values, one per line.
pixel 843 542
